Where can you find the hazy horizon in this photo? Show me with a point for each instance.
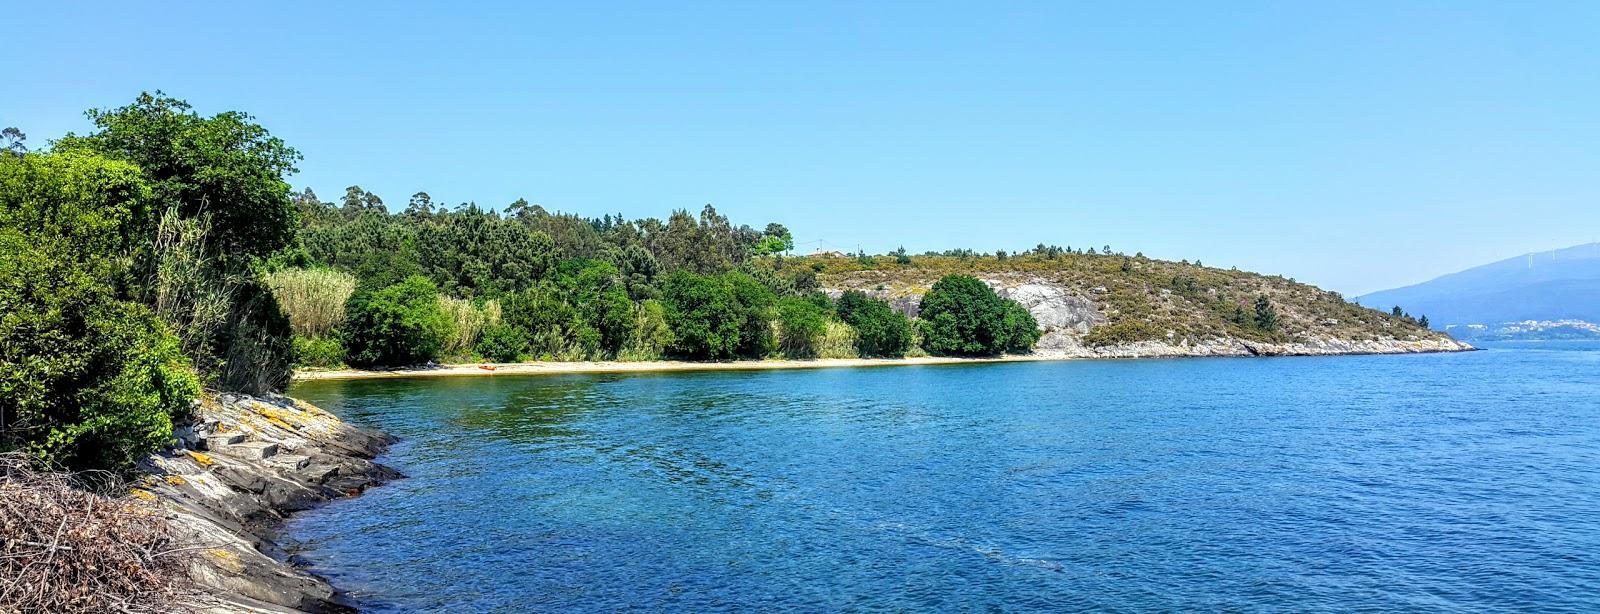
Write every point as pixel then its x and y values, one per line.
pixel 1358 147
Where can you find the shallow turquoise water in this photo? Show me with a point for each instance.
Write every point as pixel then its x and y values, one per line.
pixel 1436 482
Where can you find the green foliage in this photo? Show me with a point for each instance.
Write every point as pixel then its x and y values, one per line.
pixel 717 317
pixel 222 176
pixel 322 352
pixel 838 341
pixel 582 313
pixel 467 322
pixel 472 252
pixel 396 326
pixel 880 330
pixel 503 343
pixel 964 317
pixel 88 379
pixel 650 336
pixel 801 324
pixel 225 165
pixel 1266 315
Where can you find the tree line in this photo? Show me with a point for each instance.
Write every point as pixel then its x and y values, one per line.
pixel 164 253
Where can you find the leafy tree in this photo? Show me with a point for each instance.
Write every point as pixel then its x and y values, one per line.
pixel 800 324
pixel 1423 321
pixel 717 317
pixel 962 316
pixel 1266 314
pixel 420 205
pixel 473 252
pixel 13 142
pixel 503 343
pixel 774 240
pixel 1397 312
pixel 225 173
pixel 901 257
pixel 880 330
pixel 754 304
pixel 88 378
pixel 225 165
pixel 397 326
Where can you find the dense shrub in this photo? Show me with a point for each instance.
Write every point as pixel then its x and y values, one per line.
pixel 880 330
pixel 962 316
pixel 224 176
pixel 650 335
pixel 717 316
pixel 324 352
pixel 88 379
pixel 225 165
pixel 801 324
pixel 396 326
pixel 582 313
pixel 503 343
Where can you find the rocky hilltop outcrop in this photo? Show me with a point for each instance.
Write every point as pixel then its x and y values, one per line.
pixel 241 467
pixel 1115 307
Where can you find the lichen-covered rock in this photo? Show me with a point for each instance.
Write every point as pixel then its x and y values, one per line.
pixel 241 467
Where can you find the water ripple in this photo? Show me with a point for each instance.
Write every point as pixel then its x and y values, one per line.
pixel 1448 482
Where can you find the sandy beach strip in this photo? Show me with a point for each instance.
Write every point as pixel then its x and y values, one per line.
pixel 567 368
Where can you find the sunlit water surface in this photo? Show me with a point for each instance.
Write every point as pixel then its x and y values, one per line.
pixel 1435 482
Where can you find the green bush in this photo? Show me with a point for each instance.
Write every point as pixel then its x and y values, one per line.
pixel 880 330
pixel 964 317
pixel 503 343
pixel 717 317
pixel 397 326
pixel 88 379
pixel 650 335
pixel 222 176
pixel 801 324
pixel 582 313
pixel 323 352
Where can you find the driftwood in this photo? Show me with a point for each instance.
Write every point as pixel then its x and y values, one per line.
pixel 64 548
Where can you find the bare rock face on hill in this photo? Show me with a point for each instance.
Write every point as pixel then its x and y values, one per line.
pixel 242 466
pixel 1063 315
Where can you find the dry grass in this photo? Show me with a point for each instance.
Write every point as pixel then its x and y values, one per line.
pixel 65 549
pixel 1142 297
pixel 314 299
pixel 467 322
pixel 838 340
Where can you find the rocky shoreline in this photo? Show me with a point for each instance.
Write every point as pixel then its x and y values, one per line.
pixel 244 465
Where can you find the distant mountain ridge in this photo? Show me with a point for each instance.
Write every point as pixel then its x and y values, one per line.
pixel 1561 284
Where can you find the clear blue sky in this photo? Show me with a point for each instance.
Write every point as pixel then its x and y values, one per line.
pixel 1354 145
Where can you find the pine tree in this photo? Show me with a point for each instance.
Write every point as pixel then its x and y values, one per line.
pixel 1266 315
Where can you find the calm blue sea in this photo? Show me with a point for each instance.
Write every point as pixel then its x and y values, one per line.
pixel 1459 482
